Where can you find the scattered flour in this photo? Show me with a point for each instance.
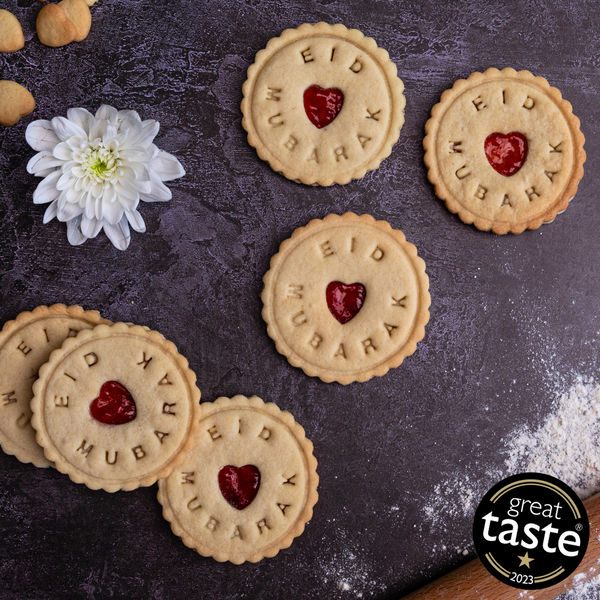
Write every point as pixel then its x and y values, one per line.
pixel 350 572
pixel 566 445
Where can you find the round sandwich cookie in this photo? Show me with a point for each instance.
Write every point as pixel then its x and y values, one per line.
pixel 249 485
pixel 346 298
pixel 323 104
pixel 504 150
pixel 25 345
pixel 116 407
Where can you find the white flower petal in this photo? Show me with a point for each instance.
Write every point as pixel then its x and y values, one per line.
pixel 134 129
pixel 82 117
pixel 159 192
pixel 66 211
pixel 50 212
pixel 62 151
pixel 118 234
pixel 112 213
pixel 149 130
pixel 98 129
pixel 127 115
pixel 46 191
pixel 66 129
pixel 40 135
pixel 91 227
pixel 74 234
pixel 108 113
pixel 136 220
pixel 166 166
pixel 65 181
pixel 109 134
pixel 43 163
pixel 97 207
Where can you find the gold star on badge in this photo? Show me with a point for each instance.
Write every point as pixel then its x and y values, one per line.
pixel 525 560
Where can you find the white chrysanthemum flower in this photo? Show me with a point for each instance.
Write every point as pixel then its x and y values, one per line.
pixel 96 170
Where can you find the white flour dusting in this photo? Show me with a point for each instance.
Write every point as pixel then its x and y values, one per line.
pixel 566 445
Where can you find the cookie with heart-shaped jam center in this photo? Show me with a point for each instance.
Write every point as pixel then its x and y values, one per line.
pixel 248 512
pixel 323 104
pixel 116 407
pixel 315 298
pixel 504 150
pixel 506 153
pixel 239 485
pixel 345 301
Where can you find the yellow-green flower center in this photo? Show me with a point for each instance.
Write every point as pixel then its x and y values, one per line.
pixel 99 163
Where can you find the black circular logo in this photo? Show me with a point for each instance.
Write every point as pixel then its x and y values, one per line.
pixel 531 531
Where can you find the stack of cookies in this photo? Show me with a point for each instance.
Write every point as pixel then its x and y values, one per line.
pixel 116 407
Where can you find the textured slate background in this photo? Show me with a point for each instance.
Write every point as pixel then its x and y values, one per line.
pixel 512 318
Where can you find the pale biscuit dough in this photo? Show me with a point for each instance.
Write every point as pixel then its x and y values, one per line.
pixel 350 249
pixel 25 345
pixel 54 28
pixel 329 56
pixel 11 32
pixel 242 431
pixel 78 13
pixel 128 455
pixel 15 102
pixel 504 102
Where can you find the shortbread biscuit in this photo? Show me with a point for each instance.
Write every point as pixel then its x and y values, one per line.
pixel 249 485
pixel 346 298
pixel 54 28
pixel 116 407
pixel 323 104
pixel 504 150
pixel 11 32
pixel 25 345
pixel 78 12
pixel 15 102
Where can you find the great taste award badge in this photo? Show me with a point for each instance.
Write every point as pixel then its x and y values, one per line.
pixel 531 531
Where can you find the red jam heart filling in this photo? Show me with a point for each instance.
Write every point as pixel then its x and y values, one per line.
pixel 114 404
pixel 239 485
pixel 344 301
pixel 506 153
pixel 322 106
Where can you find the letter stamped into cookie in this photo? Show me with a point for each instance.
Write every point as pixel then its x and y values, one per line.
pixel 25 345
pixel 364 298
pixel 323 104
pixel 504 150
pixel 256 504
pixel 126 426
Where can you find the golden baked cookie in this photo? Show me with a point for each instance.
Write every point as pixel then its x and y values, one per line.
pixel 346 298
pixel 11 32
pixel 504 150
pixel 249 485
pixel 116 407
pixel 15 102
pixel 25 345
pixel 323 104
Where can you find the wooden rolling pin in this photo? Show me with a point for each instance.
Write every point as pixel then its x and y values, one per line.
pixel 473 582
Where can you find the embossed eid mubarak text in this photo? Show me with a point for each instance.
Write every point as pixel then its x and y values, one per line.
pixel 323 104
pixel 531 531
pixel 248 486
pixel 346 298
pixel 115 407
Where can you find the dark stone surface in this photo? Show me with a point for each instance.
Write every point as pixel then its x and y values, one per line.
pixel 512 318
